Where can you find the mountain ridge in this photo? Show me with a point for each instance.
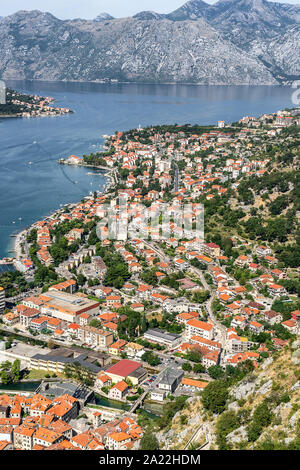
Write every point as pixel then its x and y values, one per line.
pixel 230 42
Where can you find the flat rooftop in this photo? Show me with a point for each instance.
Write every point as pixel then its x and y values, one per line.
pixel 71 302
pixel 162 334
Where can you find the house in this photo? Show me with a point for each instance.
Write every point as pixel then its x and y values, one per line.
pixel 272 317
pixel 134 350
pixel 239 321
pixel 46 437
pixel 95 336
pixel 212 249
pixel 39 324
pixel 262 251
pixel 296 315
pixel 66 286
pixel 112 299
pixel 187 284
pixel 181 264
pixel 102 380
pixel 291 326
pixel 170 380
pixel 6 433
pixel 23 436
pixel 212 345
pixel 158 395
pixel 27 315
pixel 10 318
pixel 276 290
pixel 118 391
pixel 241 357
pixel 256 327
pixel 193 385
pixel 86 441
pixel 118 441
pixel 235 343
pixel 6 445
pixel 74 160
pixel 184 317
pixel 210 358
pixel 117 347
pixel 137 307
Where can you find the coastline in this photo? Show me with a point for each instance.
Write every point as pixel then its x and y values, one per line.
pixel 28 106
pixel 20 236
pixel 122 82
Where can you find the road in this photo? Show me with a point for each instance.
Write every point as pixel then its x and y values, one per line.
pixel 221 331
pixel 200 274
pixel 162 256
pixel 176 178
pixel 24 295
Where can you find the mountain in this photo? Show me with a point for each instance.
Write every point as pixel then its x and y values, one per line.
pixel 103 17
pixel 148 15
pixel 230 42
pixel 39 46
pixel 261 411
pixel 192 10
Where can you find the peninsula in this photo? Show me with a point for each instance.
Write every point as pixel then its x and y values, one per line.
pixel 22 105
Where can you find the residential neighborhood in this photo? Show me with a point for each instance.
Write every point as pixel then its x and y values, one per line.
pixel 152 317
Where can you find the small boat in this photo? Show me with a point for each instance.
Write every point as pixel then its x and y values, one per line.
pixel 29 163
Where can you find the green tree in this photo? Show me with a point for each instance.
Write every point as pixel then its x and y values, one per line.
pixel 214 396
pixel 149 442
pixel 15 370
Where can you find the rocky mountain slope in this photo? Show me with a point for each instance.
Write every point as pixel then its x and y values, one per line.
pixel 262 412
pixel 230 42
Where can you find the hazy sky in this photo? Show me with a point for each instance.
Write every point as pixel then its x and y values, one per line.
pixel 65 9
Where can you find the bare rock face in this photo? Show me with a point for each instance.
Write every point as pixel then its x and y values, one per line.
pixel 230 42
pixel 238 435
pixel 243 390
pixel 265 388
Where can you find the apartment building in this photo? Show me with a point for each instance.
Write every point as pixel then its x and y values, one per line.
pixel 94 336
pixel 199 328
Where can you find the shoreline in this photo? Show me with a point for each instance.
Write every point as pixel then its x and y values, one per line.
pixel 121 82
pixel 29 106
pixel 19 238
